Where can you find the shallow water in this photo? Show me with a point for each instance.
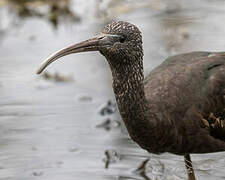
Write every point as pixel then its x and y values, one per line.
pixel 51 127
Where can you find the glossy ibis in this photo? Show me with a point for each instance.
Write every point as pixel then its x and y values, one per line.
pixel 178 108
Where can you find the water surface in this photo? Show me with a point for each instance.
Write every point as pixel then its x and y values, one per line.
pixel 51 127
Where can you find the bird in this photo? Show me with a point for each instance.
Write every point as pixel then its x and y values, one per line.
pixel 179 107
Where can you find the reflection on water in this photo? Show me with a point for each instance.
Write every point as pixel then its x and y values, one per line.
pixel 64 124
pixel 56 77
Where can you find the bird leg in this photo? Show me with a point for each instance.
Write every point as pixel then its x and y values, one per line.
pixel 189 167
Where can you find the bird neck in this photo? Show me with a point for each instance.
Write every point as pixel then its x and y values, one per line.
pixel 128 87
pixel 129 90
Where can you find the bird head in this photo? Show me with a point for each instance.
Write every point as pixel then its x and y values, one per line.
pixel 120 42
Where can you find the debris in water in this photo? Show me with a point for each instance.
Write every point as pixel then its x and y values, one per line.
pixel 108 109
pixel 108 124
pixel 154 170
pixel 142 166
pixel 73 149
pixel 105 125
pixel 38 173
pixel 85 99
pixel 57 77
pixel 111 156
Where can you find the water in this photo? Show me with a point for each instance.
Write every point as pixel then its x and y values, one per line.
pixel 51 127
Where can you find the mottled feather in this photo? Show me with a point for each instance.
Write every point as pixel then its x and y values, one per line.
pixel 169 110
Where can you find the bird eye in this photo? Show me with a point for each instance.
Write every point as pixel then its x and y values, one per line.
pixel 122 39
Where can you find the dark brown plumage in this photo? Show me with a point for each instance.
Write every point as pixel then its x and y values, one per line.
pixel 179 107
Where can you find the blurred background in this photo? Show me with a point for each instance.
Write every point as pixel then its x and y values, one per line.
pixel 63 124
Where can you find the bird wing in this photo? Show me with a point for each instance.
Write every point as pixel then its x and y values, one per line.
pixel 209 109
pixel 187 89
pixel 214 108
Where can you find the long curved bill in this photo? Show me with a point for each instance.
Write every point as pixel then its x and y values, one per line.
pixel 92 44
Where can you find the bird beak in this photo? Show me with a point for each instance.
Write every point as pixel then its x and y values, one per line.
pixel 93 44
